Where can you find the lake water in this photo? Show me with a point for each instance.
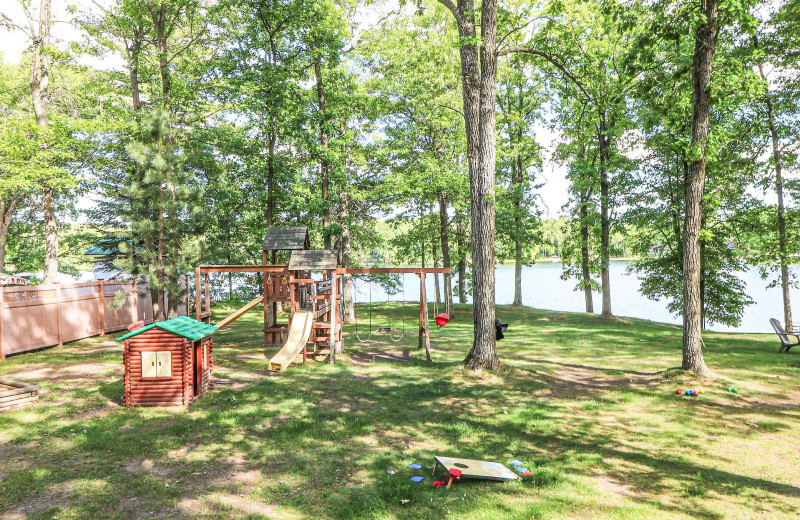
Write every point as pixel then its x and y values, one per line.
pixel 543 288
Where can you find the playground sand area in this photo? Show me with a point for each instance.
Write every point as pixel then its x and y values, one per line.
pixel 589 405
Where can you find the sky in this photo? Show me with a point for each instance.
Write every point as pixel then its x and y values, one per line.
pixel 553 193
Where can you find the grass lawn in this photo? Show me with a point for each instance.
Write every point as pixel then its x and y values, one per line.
pixel 588 404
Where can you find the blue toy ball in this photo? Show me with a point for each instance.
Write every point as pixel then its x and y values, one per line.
pixel 688 392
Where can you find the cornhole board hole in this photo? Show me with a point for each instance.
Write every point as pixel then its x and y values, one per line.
pixel 14 394
pixel 477 469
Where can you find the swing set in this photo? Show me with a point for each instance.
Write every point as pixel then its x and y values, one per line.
pixel 424 328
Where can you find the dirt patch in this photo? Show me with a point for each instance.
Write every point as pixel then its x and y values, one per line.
pixel 367 357
pixel 146 466
pixel 613 486
pixel 575 378
pixel 58 495
pixel 69 373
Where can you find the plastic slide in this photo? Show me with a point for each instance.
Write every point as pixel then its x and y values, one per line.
pixel 239 313
pixel 299 332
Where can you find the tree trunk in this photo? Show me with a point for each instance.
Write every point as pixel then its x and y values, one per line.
pixel 782 249
pixel 5 222
pixel 479 78
pixel 347 280
pixel 586 281
pixel 437 293
pixel 50 235
pixel 461 231
pixel 444 231
pixel 517 189
pixel 7 209
pixel 272 141
pixel 702 66
pixel 323 164
pixel 605 224
pixel 160 260
pixel 40 95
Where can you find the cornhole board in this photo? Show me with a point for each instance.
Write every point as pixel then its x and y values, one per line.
pixel 477 469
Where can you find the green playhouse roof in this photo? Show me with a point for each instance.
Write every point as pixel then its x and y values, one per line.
pixel 184 326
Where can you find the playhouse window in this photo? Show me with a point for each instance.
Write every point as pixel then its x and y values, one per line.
pixel 157 364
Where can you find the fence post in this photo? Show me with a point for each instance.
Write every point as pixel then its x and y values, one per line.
pixel 58 313
pixel 102 307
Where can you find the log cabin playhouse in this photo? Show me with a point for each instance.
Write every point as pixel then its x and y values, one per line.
pixel 168 362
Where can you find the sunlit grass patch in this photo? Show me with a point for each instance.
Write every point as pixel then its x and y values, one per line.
pixel 596 421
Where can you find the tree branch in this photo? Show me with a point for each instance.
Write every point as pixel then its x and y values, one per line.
pixel 560 66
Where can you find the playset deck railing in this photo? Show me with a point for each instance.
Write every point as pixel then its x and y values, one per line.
pixel 43 316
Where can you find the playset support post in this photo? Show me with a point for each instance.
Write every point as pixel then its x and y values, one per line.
pixel 197 293
pixel 208 297
pixel 424 329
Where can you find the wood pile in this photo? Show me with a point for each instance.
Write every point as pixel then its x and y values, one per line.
pixel 14 394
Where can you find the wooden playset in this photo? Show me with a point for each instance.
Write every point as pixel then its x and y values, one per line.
pixel 168 362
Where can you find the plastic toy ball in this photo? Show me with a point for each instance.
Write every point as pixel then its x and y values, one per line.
pixel 688 392
pixel 678 392
pixel 697 392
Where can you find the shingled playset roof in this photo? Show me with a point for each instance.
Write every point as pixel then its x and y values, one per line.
pixel 286 239
pixel 313 260
pixel 184 326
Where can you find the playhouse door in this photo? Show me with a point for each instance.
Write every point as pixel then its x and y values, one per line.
pixel 197 368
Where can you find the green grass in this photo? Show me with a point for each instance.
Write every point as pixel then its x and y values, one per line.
pixel 588 404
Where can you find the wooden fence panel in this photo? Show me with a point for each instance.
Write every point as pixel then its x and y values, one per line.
pixel 43 316
pixel 29 318
pixel 79 311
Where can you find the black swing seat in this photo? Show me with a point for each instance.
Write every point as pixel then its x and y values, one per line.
pixel 786 344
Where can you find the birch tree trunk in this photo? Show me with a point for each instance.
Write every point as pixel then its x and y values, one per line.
pixel 702 66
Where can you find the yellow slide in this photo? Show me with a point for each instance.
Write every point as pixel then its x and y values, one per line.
pixel 239 313
pixel 299 332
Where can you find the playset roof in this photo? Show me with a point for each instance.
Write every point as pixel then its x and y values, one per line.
pixel 184 326
pixel 313 260
pixel 286 239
